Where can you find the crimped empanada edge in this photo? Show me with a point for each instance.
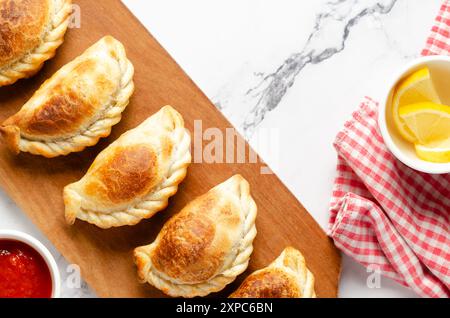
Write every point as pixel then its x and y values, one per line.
pixel 31 63
pixel 90 136
pixel 221 280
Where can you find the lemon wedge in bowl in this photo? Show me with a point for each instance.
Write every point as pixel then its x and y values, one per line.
pixel 415 88
pixel 438 152
pixel 427 122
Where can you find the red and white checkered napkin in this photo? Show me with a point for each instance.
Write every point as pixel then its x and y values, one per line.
pixel 386 215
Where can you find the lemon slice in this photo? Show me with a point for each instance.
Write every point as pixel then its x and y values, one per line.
pixel 415 88
pixel 436 152
pixel 427 122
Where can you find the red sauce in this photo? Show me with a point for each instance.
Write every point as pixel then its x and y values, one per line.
pixel 23 272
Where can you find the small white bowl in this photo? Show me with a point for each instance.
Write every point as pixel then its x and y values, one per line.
pixel 400 148
pixel 42 250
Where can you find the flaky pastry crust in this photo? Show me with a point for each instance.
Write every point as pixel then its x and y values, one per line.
pixel 286 277
pixel 77 106
pixel 133 178
pixel 205 246
pixel 30 33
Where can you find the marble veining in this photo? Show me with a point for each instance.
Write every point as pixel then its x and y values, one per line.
pixel 333 26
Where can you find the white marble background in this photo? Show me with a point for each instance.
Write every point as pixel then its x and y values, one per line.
pixel 294 67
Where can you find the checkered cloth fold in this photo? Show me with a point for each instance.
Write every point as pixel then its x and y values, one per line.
pixel 385 214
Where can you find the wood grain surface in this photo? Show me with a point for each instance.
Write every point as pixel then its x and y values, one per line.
pixel 105 256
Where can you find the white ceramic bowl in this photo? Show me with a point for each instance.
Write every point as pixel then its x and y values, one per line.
pixel 401 149
pixel 42 250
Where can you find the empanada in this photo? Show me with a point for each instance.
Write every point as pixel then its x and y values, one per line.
pixel 286 277
pixel 30 33
pixel 205 246
pixel 77 106
pixel 134 177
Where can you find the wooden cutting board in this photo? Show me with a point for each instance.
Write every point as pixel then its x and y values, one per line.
pixel 105 256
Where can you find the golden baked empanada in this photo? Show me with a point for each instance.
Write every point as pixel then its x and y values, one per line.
pixel 77 106
pixel 286 277
pixel 30 33
pixel 205 246
pixel 134 177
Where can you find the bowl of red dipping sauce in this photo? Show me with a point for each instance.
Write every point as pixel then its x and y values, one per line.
pixel 27 269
